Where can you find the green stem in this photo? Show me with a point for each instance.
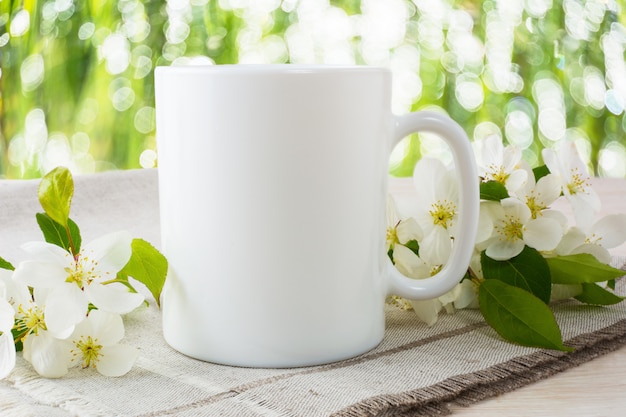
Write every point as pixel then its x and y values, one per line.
pixel 20 336
pixel 475 279
pixel 71 242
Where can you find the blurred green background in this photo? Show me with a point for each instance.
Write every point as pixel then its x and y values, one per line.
pixel 76 80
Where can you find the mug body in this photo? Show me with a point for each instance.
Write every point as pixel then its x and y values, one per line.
pixel 272 184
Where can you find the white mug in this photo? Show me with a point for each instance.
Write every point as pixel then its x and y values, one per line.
pixel 273 188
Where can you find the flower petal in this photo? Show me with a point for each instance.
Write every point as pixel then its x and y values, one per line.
pixel 7 316
pixel 436 247
pixel 485 222
pixel 514 208
pixel 511 156
pixel 7 354
pixel 476 266
pixel 427 310
pixel 548 189
pixel 117 360
pixel 601 254
pixel 492 151
pixel 504 250
pixel 47 252
pixel 409 263
pixel 611 230
pixel 42 274
pixel 65 306
pixel 111 251
pixel 448 187
pixel 49 356
pixel 583 207
pixel 409 230
pixel 467 296
pixel 16 292
pixel 552 162
pixel 557 216
pixel 450 296
pixel 543 234
pixel 114 298
pixel 108 328
pixel 427 177
pixel 570 240
pixel 516 180
pixel 391 211
pixel 565 291
pixel 4 279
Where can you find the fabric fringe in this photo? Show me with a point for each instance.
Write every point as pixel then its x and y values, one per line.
pixel 465 390
pixel 42 395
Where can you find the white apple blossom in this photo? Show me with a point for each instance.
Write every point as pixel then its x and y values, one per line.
pixel 462 295
pixel 604 234
pixel 436 208
pixel 41 347
pixel 48 355
pixel 94 344
pixel 7 314
pixel 539 195
pixel 400 231
pixel 72 282
pixel 485 226
pixel 501 164
pixel 7 354
pixel 413 266
pixel 567 164
pixel 7 319
pixel 514 228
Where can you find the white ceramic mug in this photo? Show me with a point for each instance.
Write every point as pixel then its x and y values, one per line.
pixel 273 187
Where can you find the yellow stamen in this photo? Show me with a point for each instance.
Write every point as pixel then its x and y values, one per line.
pixel 392 236
pixel 435 270
pixel 535 205
pixel 443 213
pixel 593 239
pixel 578 184
pixel 30 320
pixel 89 349
pixel 497 174
pixel 510 229
pixel 83 273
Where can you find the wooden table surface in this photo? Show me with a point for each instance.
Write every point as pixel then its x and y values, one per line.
pixel 596 388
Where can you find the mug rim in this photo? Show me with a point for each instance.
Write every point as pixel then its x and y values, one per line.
pixel 271 68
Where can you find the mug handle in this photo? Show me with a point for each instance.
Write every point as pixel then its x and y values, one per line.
pixel 467 174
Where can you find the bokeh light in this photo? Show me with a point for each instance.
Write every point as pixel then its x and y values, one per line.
pixel 76 82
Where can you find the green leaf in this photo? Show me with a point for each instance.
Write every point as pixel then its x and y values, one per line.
pixel 581 268
pixel 493 190
pixel 55 194
pixel 18 343
pixel 414 246
pixel 595 294
pixel 4 264
pixel 148 266
pixel 518 316
pixel 56 234
pixel 540 172
pixel 528 271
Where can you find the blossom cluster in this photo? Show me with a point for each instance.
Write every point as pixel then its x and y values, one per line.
pixel 65 309
pixel 521 216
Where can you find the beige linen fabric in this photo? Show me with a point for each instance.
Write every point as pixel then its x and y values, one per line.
pixel 416 370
